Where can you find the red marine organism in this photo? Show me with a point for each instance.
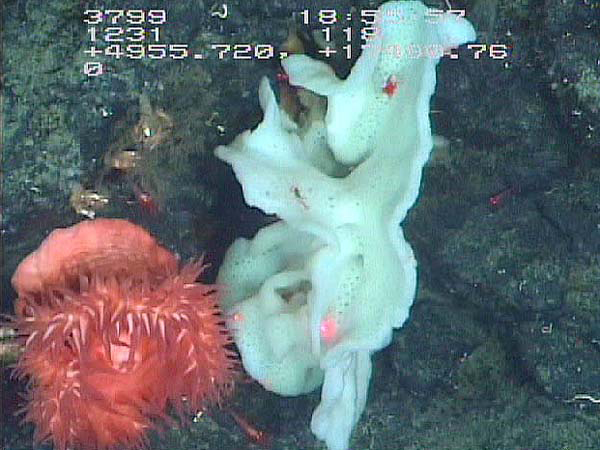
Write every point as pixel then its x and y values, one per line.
pixel 147 202
pixel 116 334
pixel 391 86
pixel 499 199
pixel 255 435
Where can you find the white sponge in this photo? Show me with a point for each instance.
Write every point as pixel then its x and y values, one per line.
pixel 313 296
